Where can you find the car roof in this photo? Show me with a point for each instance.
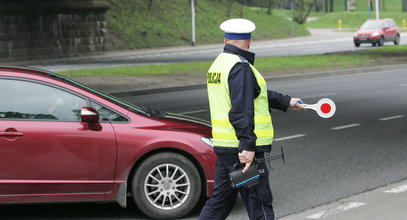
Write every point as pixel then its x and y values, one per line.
pixel 51 75
pixel 383 19
pixel 48 74
pixel 34 71
pixel 45 73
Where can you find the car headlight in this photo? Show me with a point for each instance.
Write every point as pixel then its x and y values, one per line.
pixel 355 35
pixel 207 141
pixel 375 34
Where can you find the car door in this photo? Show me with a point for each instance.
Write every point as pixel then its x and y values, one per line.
pixel 393 30
pixel 45 148
pixel 388 31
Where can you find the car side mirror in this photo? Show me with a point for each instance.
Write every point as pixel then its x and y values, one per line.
pixel 89 114
pixel 385 28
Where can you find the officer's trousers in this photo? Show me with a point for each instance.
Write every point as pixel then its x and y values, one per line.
pixel 257 199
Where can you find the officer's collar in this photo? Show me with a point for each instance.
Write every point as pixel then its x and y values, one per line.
pixel 229 48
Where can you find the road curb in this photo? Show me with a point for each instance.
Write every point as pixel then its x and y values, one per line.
pixel 271 78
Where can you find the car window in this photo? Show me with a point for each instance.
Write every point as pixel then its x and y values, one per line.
pixel 371 24
pixel 34 101
pixel 107 115
pixel 390 24
pixel 386 24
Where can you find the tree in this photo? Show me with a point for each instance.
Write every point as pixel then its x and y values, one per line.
pixel 302 9
pixel 229 7
pixel 269 6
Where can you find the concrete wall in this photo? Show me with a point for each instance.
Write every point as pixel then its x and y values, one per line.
pixel 47 29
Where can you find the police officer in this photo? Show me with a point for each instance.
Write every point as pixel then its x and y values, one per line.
pixel 242 129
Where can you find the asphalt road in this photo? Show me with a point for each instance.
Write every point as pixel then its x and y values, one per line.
pixel 321 41
pixel 362 147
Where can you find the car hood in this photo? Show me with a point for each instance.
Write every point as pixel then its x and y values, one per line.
pixel 179 122
pixel 367 32
pixel 187 118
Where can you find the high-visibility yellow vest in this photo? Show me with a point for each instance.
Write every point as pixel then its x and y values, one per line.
pixel 223 132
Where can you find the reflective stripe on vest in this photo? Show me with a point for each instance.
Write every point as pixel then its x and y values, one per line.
pixel 223 133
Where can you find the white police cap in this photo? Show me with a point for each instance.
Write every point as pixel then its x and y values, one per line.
pixel 237 28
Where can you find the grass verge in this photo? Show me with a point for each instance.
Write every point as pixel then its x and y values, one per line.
pixel 399 48
pixel 264 65
pixel 148 24
pixel 352 20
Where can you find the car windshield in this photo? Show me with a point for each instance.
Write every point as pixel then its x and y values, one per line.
pixel 111 98
pixel 371 24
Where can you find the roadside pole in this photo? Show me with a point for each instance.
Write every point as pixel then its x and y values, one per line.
pixel 377 9
pixel 193 21
pixel 369 8
pixel 292 18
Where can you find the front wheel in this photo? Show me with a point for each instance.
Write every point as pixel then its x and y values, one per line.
pixel 357 44
pixel 166 186
pixel 397 40
pixel 381 41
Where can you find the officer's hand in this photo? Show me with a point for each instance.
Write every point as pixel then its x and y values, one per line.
pixel 294 105
pixel 247 158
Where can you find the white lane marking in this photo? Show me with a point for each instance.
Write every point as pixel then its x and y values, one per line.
pixel 321 95
pixel 336 210
pixel 391 117
pixel 193 112
pixel 398 189
pixel 403 85
pixel 290 137
pixel 345 126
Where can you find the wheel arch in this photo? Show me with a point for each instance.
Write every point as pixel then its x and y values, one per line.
pixel 197 165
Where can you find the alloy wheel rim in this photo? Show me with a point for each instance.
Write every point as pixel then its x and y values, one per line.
pixel 167 186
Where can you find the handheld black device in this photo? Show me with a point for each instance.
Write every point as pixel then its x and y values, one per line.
pixel 251 177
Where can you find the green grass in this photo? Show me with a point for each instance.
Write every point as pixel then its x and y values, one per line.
pixel 133 25
pixel 352 20
pixel 265 65
pixel 160 69
pixel 312 61
pixel 391 49
pixel 362 5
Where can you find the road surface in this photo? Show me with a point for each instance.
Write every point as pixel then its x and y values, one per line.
pixel 362 147
pixel 319 42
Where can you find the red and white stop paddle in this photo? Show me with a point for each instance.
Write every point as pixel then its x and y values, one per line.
pixel 325 107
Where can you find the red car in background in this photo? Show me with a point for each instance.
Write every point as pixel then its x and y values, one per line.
pixel 62 141
pixel 377 32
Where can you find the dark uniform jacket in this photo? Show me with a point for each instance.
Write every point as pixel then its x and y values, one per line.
pixel 243 90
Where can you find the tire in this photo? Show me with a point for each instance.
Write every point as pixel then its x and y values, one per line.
pixel 357 44
pixel 166 186
pixel 374 44
pixel 397 40
pixel 381 41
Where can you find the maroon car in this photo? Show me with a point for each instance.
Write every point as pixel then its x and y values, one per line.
pixel 61 141
pixel 376 32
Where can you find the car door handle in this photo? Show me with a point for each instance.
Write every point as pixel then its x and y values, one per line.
pixel 7 134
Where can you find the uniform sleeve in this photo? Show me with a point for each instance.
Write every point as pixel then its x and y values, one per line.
pixel 242 88
pixel 278 100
